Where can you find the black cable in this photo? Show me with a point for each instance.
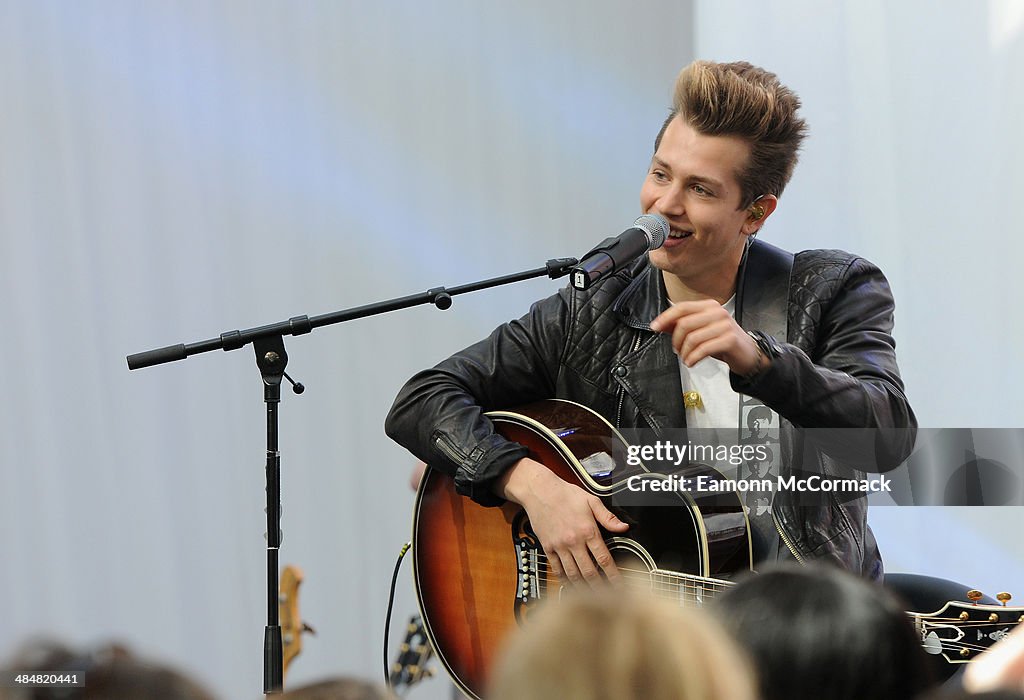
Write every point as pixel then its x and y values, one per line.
pixel 391 605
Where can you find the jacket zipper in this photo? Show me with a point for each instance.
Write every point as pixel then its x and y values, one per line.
pixel 622 389
pixel 785 538
pixel 441 443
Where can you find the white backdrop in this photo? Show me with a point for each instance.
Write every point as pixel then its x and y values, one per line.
pixel 172 171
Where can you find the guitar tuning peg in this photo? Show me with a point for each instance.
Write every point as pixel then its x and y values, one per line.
pixel 974 596
pixel 1004 598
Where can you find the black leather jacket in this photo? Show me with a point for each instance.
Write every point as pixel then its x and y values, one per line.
pixel 837 369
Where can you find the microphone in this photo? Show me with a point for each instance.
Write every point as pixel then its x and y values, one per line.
pixel 612 254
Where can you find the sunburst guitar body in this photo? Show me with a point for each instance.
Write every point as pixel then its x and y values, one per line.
pixel 480 571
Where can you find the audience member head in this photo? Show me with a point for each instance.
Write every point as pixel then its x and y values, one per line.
pixel 111 672
pixel 961 694
pixel 1000 668
pixel 816 631
pixel 602 646
pixel 338 689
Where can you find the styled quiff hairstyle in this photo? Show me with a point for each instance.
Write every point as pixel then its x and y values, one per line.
pixel 738 99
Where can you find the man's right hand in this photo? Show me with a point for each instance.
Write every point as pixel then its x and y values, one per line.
pixel 566 520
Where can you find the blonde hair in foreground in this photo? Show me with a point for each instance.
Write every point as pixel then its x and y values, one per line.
pixel 604 646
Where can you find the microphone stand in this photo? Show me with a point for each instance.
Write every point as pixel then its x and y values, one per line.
pixel 271 359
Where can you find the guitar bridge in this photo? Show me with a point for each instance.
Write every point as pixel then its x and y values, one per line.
pixel 530 569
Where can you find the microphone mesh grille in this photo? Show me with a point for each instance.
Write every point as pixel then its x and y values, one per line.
pixel 656 228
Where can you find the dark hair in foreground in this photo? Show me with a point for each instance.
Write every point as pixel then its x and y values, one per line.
pixel 817 631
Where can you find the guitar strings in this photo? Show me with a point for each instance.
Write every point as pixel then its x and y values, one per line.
pixel 707 584
pixel 696 593
pixel 662 580
pixel 701 586
pixel 642 579
pixel 691 588
pixel 937 623
pixel 693 594
pixel 956 646
pixel 703 580
pixel 653 582
pixel 654 577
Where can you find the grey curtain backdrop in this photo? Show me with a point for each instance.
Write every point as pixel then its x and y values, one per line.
pixel 169 171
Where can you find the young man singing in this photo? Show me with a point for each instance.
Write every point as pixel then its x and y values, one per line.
pixel 702 331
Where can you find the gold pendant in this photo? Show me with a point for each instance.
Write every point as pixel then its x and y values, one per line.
pixel 691 399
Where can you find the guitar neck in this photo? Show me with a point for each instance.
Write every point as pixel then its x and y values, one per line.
pixel 958 632
pixel 961 631
pixel 688 589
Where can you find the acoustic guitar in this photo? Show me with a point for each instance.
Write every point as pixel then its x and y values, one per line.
pixel 480 572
